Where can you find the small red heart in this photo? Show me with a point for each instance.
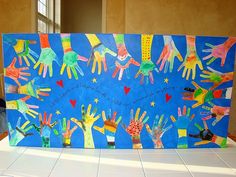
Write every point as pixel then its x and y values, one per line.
pixel 73 103
pixel 126 89
pixel 168 97
pixel 60 83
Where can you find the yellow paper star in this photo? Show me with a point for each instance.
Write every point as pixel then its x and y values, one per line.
pixel 58 112
pixel 94 80
pixel 96 100
pixel 166 80
pixel 152 103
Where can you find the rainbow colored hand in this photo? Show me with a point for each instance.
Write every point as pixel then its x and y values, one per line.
pixel 16 73
pixel 216 77
pixel 158 130
pixel 124 59
pixel 168 55
pixel 191 59
pixel 182 123
pixel 98 54
pixel 46 58
pixel 70 58
pixel 20 132
pixel 202 95
pixel 219 51
pixel 207 136
pixel 45 128
pixel 66 132
pixel 147 66
pixel 21 106
pixel 88 119
pixel 135 127
pixel 22 49
pixel 217 112
pixel 109 128
pixel 31 89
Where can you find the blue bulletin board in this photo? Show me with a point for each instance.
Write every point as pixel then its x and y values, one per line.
pixel 118 90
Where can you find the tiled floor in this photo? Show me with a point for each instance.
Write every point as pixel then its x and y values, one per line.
pixel 39 162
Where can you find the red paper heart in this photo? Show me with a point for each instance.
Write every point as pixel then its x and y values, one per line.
pixel 73 103
pixel 60 83
pixel 168 97
pixel 126 89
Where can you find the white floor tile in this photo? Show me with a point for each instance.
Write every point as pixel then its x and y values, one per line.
pixel 212 175
pixel 229 159
pixel 206 163
pixel 40 162
pixel 195 150
pixel 156 164
pixel 187 174
pixel 225 150
pixel 10 173
pixel 120 165
pixel 9 154
pixel 155 151
pixel 122 151
pixel 77 162
pixel 35 162
pixel 81 151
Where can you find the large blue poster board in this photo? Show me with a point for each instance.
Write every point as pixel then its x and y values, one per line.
pixel 118 90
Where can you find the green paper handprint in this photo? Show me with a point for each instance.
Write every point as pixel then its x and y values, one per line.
pixel 147 66
pixel 46 58
pixel 19 133
pixel 21 106
pixel 70 58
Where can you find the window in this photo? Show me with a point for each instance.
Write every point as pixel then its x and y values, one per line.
pixel 49 16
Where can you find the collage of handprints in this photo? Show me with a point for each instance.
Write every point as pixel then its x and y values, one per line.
pixel 118 91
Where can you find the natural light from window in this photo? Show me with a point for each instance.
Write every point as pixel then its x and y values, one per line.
pixel 49 16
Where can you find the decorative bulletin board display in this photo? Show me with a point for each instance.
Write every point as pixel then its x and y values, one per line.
pixel 118 90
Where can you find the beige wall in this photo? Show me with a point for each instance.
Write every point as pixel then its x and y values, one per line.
pixel 83 16
pixel 16 16
pixel 197 17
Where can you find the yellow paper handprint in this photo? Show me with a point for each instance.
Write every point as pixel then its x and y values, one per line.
pixel 191 59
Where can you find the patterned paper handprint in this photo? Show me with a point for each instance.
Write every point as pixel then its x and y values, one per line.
pixel 66 132
pixel 201 95
pixel 191 60
pixel 20 132
pixel 22 49
pixel 216 77
pixel 31 89
pixel 168 54
pixel 181 124
pixel 16 73
pixel 135 127
pixel 124 59
pixel 86 124
pixel 98 53
pixel 147 66
pixel 206 136
pixel 45 128
pixel 70 58
pixel 158 130
pixel 109 128
pixel 21 106
pixel 217 112
pixel 219 51
pixel 46 58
